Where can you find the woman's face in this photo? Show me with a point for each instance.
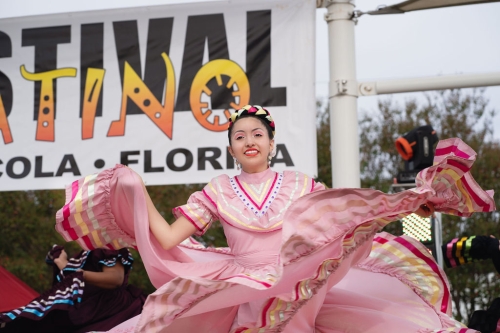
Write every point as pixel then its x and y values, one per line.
pixel 250 144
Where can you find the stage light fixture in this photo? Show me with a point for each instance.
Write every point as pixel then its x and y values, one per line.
pixel 418 227
pixel 417 150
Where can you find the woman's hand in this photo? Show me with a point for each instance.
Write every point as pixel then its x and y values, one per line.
pixel 62 260
pixel 425 210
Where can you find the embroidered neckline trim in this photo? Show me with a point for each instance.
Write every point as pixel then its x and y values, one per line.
pixel 258 210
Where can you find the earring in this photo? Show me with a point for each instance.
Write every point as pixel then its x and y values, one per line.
pixel 269 158
pixel 238 164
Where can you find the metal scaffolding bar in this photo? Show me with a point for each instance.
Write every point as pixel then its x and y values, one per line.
pixel 429 83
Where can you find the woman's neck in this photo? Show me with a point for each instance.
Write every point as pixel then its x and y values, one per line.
pixel 256 177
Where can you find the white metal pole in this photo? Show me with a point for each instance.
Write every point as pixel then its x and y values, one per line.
pixel 429 83
pixel 438 238
pixel 343 94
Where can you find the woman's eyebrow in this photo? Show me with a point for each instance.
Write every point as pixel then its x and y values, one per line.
pixel 242 131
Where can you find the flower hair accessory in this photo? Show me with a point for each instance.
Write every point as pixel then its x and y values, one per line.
pixel 253 110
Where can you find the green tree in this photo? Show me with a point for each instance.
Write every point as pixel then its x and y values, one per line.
pixel 27 234
pixel 456 113
pixel 27 220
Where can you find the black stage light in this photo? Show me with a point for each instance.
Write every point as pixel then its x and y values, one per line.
pixel 417 149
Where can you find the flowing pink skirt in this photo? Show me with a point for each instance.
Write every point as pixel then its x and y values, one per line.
pixel 324 281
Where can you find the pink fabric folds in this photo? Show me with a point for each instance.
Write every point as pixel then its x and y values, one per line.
pixel 87 218
pixel 455 191
pixel 325 234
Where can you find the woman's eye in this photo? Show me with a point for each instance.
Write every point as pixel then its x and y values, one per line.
pixel 258 134
pixel 239 137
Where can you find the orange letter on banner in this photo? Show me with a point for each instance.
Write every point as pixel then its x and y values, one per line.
pixel 135 89
pixel 215 69
pixel 45 125
pixel 93 88
pixel 4 124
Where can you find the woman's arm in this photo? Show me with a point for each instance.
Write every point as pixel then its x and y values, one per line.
pixel 168 235
pixel 109 278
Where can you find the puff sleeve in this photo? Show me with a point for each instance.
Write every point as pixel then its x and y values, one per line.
pixel 200 210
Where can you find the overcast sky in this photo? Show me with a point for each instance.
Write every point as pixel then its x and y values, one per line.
pixel 454 40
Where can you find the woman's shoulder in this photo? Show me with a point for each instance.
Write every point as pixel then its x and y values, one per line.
pixel 109 257
pixel 295 173
pixel 297 179
pixel 216 185
pixel 105 253
pixel 220 179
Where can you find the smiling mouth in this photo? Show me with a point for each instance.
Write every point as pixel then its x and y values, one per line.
pixel 252 152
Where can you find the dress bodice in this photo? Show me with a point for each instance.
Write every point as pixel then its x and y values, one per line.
pixel 246 205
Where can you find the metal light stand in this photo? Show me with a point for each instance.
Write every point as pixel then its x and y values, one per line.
pixel 435 225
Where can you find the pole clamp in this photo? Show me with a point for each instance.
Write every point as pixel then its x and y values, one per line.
pixel 344 87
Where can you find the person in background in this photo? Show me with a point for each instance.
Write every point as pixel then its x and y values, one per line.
pixel 90 291
pixel 468 249
pixel 487 321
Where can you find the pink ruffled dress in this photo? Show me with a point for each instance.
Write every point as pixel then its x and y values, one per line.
pixel 301 258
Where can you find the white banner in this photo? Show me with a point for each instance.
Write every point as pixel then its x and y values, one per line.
pixel 152 88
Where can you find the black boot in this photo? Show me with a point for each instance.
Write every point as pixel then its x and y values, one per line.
pixel 485 321
pixel 494 253
pixel 494 310
pixel 481 321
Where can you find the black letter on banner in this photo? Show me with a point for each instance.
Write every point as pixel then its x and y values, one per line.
pixel 258 64
pixel 72 166
pixel 10 167
pixel 38 168
pixel 1 173
pixel 5 45
pixel 91 56
pixel 187 164
pixel 124 157
pixel 229 160
pixel 202 158
pixel 45 41
pixel 148 163
pixel 209 28
pixel 287 159
pixel 127 49
pixel 6 92
pixel 5 85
